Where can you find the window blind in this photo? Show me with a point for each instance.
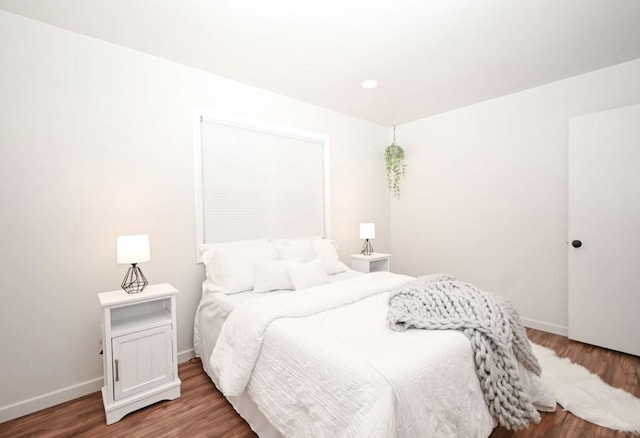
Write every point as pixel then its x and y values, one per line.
pixel 259 182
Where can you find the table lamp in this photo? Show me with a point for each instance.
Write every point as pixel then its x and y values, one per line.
pixel 134 249
pixel 367 231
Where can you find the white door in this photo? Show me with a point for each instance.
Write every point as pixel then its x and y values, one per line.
pixel 604 216
pixel 141 361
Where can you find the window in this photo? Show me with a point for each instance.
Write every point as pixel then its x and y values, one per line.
pixel 255 179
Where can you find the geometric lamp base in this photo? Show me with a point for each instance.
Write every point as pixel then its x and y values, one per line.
pixel 134 281
pixel 367 248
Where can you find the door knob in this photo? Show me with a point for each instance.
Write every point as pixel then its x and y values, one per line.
pixel 576 244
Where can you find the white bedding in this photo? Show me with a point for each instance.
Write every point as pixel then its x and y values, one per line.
pixel 341 372
pixel 215 307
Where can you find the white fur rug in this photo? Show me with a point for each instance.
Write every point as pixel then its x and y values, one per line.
pixel 585 395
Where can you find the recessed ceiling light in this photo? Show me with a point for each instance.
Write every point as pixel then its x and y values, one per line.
pixel 369 83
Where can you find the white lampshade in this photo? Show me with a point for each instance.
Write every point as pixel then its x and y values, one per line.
pixel 367 231
pixel 133 249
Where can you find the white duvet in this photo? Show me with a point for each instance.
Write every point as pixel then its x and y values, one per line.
pixel 321 362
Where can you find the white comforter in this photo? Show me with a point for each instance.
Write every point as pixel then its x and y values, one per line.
pixel 321 362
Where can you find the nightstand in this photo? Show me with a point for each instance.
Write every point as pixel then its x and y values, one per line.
pixel 375 262
pixel 139 346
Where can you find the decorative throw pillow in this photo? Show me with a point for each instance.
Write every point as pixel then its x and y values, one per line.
pixel 273 275
pixel 305 275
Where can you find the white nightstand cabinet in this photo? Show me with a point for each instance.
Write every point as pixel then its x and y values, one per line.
pixel 139 346
pixel 375 262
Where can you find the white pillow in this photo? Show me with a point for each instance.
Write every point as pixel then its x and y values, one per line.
pixel 326 251
pixel 230 267
pixel 207 251
pixel 273 275
pixel 304 275
pixel 292 249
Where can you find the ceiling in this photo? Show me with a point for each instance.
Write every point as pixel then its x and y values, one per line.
pixel 428 56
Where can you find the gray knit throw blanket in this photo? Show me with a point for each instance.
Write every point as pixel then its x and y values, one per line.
pixel 492 325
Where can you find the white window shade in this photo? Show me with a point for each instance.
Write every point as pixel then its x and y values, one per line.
pixel 259 180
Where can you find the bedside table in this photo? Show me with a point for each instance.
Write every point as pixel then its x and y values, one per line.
pixel 139 345
pixel 372 263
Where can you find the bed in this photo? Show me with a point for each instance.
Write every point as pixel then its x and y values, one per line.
pixel 307 351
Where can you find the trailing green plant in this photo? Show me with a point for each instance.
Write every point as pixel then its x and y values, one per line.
pixel 394 161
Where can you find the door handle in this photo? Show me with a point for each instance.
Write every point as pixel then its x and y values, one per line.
pixel 576 244
pixel 117 371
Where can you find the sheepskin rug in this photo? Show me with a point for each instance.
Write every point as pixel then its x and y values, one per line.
pixel 585 395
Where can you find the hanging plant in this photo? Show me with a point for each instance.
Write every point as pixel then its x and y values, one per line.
pixel 394 160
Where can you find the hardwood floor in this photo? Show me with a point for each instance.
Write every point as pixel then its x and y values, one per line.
pixel 617 369
pixel 201 411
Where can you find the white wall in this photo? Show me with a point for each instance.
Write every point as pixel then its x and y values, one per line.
pixel 485 197
pixel 97 142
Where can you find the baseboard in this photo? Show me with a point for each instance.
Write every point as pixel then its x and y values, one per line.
pixel 545 326
pixel 47 400
pixel 63 395
pixel 185 355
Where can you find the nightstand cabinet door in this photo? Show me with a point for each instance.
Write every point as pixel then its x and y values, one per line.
pixel 141 361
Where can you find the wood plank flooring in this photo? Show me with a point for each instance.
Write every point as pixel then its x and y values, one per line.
pixel 201 411
pixel 617 369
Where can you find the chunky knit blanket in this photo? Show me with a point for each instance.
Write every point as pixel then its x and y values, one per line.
pixel 498 339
